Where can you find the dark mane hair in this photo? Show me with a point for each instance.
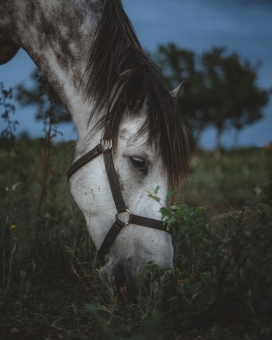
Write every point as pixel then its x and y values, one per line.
pixel 121 77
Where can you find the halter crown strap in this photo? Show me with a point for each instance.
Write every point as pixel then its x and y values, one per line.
pixel 97 150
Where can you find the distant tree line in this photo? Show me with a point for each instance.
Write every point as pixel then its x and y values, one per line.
pixel 221 90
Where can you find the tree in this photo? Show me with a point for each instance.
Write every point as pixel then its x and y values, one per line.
pixel 51 111
pixel 221 90
pixel 179 65
pixel 38 96
pixel 236 100
pixel 8 108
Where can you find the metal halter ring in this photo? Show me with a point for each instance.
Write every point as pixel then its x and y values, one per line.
pixel 126 222
pixel 104 142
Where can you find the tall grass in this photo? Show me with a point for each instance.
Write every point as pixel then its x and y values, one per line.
pixel 220 287
pixel 225 181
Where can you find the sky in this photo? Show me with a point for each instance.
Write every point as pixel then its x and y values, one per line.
pixel 243 26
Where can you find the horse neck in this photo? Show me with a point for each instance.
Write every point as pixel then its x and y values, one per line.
pixel 57 35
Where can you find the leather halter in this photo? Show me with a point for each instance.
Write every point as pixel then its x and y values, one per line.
pixel 105 148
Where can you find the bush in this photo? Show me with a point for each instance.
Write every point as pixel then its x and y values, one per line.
pixel 222 269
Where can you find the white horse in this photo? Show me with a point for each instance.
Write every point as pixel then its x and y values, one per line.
pixel 89 53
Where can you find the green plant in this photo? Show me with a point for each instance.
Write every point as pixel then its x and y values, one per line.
pixel 224 269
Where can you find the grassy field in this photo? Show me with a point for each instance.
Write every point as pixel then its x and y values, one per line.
pixel 49 276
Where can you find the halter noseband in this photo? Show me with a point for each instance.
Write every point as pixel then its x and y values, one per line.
pixel 105 148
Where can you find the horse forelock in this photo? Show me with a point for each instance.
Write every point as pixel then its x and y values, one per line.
pixel 120 77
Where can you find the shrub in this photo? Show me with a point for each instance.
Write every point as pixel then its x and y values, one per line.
pixel 223 269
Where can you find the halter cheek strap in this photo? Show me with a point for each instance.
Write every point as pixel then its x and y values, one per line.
pixel 124 216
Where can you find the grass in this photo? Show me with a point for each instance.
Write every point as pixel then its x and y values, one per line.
pixel 49 279
pixel 227 180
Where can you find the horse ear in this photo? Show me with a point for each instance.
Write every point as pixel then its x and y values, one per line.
pixel 177 91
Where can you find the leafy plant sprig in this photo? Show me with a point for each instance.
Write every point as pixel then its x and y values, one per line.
pixel 179 213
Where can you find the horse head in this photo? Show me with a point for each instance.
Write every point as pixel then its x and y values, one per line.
pixel 138 169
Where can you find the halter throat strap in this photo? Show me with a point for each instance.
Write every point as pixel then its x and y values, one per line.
pixel 123 216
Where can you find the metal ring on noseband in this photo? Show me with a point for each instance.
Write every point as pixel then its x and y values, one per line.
pixel 105 148
pixel 129 216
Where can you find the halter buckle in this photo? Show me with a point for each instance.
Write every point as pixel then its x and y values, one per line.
pixel 106 144
pixel 124 217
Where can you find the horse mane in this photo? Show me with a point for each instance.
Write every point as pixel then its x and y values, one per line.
pixel 120 77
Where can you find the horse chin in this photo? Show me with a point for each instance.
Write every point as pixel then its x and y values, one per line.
pixel 123 281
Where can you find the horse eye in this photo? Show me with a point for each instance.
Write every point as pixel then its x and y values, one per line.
pixel 139 163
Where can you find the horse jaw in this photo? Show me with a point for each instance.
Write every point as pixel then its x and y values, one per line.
pixel 8 50
pixel 135 245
